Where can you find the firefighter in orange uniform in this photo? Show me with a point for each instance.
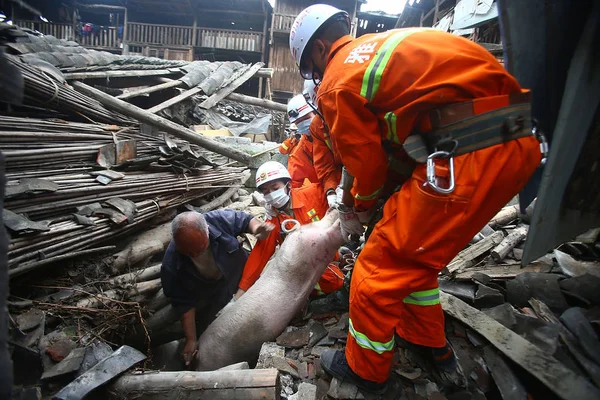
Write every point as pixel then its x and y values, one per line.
pixel 300 159
pixel 448 104
pixel 288 145
pixel 305 204
pixel 327 165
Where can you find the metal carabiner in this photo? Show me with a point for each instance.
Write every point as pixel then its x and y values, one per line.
pixel 431 177
pixel 544 147
pixel 295 225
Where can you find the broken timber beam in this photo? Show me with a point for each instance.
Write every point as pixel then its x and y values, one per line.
pixel 271 105
pixel 145 245
pixel 30 266
pixel 171 83
pixel 535 361
pixel 509 242
pixel 242 384
pixel 241 98
pixel 162 123
pixel 141 275
pixel 174 100
pixel 140 288
pixel 465 258
pixel 71 76
pixel 502 271
pixel 504 216
pixel 226 90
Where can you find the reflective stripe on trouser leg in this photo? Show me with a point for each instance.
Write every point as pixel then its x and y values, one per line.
pixel 424 297
pixel 363 341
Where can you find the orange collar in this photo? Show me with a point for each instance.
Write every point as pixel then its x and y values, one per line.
pixel 337 45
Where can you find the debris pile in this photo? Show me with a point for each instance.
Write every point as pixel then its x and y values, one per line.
pixel 515 330
pixel 108 162
pixel 84 178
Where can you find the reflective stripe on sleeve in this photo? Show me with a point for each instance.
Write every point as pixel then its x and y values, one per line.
pixel 374 72
pixel 390 119
pixel 371 196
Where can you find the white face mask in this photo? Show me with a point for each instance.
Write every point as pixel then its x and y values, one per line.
pixel 303 127
pixel 278 198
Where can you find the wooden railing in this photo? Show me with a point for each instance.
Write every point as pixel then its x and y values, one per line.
pixel 153 35
pixel 162 35
pixel 104 38
pixel 229 39
pixel 282 22
pixel 60 31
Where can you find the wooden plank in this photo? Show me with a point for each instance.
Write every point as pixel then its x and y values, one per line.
pixel 535 361
pixel 243 384
pixel 464 259
pixel 223 92
pixel 174 100
pixel 506 271
pixel 162 123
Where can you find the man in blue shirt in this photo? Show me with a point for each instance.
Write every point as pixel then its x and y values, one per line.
pixel 204 262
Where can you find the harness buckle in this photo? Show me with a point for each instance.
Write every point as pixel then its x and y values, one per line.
pixel 432 178
pixel 544 147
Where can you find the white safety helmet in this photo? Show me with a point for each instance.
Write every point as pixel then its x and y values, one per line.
pixel 307 23
pixel 310 89
pixel 270 171
pixel 297 108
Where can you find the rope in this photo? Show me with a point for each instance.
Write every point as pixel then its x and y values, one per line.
pixel 56 88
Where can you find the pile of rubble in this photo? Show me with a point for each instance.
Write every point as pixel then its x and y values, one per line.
pixel 514 329
pixel 518 332
pixel 92 164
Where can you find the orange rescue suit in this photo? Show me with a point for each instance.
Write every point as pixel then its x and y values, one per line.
pixel 327 166
pixel 300 163
pixel 377 90
pixel 288 145
pixel 308 205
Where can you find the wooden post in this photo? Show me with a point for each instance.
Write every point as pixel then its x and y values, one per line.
pixel 354 21
pixel 435 14
pixel 125 45
pixel 264 48
pixel 194 37
pixel 242 384
pixel 162 123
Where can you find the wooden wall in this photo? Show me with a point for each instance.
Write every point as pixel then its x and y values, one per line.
pixel 286 77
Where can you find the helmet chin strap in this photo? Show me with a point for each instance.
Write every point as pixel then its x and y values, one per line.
pixel 310 104
pixel 316 70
